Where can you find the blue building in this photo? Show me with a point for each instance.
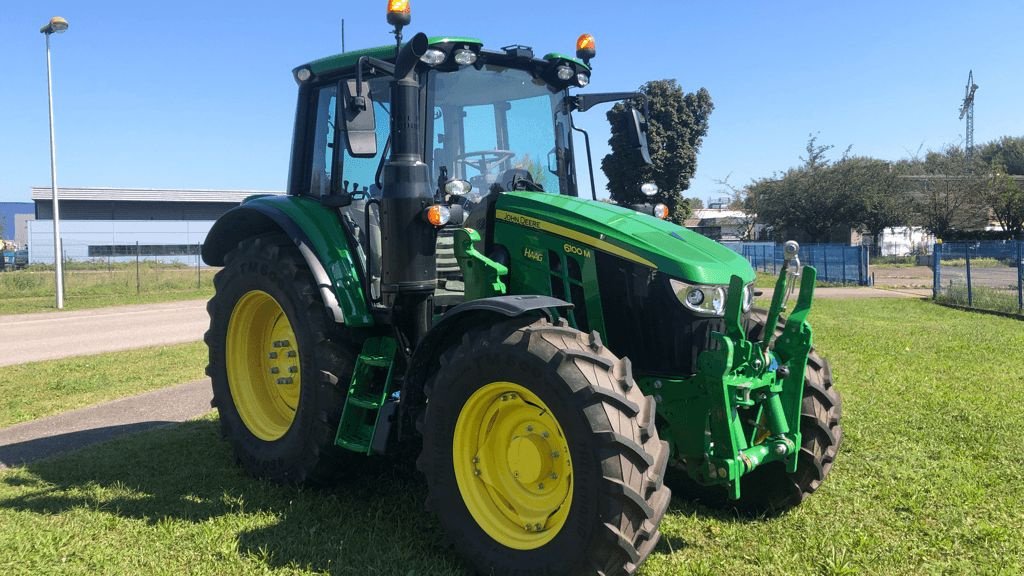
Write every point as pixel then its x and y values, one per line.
pixel 118 224
pixel 14 217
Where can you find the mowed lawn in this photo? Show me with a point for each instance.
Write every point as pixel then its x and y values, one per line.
pixel 929 481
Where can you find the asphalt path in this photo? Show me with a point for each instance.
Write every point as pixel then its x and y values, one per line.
pixel 24 443
pixel 51 335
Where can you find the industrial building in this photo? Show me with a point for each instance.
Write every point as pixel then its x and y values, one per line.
pixel 14 217
pixel 116 224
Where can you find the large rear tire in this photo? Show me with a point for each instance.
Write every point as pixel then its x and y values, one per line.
pixel 541 454
pixel 277 363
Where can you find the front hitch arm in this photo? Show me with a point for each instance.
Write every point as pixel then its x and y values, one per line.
pixel 740 380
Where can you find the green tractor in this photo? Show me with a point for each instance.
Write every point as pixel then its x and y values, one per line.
pixel 433 281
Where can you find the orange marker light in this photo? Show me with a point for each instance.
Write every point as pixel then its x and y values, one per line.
pixel 586 48
pixel 399 13
pixel 437 215
pixel 660 211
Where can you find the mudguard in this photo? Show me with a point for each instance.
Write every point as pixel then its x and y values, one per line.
pixel 320 238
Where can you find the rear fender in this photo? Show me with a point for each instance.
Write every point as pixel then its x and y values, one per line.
pixel 319 237
pixel 449 329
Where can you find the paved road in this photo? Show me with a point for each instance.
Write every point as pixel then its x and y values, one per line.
pixel 49 335
pixel 24 443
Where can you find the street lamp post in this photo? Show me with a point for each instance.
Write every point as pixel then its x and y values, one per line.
pixel 55 25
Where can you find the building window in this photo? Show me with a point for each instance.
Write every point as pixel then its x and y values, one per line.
pixel 144 250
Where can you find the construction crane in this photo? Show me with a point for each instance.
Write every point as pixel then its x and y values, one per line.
pixel 967 109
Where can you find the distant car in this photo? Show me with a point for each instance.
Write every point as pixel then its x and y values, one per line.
pixel 20 259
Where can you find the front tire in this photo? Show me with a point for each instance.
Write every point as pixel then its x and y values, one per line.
pixel 541 454
pixel 277 364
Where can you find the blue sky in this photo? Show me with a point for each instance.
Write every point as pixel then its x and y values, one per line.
pixel 199 94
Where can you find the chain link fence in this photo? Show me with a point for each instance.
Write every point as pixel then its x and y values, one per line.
pixel 986 275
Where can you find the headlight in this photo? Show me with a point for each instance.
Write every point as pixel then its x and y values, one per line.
pixel 433 57
pixel 582 80
pixel 464 57
pixel 564 73
pixel 708 300
pixel 748 297
pixel 704 300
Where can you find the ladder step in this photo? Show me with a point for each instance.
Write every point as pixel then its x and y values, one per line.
pixel 375 360
pixel 363 402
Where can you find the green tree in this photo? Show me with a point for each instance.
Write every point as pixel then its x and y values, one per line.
pixel 947 193
pixel 694 203
pixel 1004 159
pixel 677 124
pixel 822 200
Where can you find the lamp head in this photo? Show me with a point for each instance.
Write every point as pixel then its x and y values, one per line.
pixel 56 25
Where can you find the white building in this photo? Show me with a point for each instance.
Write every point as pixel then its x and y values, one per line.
pixel 120 224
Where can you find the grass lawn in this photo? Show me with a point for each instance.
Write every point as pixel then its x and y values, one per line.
pixel 928 482
pixel 95 285
pixel 37 389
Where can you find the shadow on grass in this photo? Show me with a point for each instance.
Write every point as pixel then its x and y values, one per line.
pixel 20 453
pixel 372 520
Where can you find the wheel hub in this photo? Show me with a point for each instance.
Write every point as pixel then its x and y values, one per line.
pixel 513 466
pixel 263 365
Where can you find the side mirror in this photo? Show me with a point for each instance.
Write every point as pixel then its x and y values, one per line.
pixel 638 135
pixel 360 124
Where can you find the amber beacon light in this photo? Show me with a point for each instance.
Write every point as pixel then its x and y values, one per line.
pixel 586 48
pixel 399 13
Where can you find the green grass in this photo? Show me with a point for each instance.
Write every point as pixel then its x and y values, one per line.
pixel 94 285
pixel 982 297
pixel 928 482
pixel 37 389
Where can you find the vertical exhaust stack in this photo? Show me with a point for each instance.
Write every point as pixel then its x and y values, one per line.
pixel 408 267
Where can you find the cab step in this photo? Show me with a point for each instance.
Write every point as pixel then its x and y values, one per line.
pixel 368 393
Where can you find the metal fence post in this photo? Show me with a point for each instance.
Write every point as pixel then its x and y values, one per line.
pixel 824 257
pixel 936 269
pixel 199 278
pixel 970 291
pixel 138 282
pixel 1020 275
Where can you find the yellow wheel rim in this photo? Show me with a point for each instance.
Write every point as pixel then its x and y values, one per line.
pixel 263 365
pixel 513 466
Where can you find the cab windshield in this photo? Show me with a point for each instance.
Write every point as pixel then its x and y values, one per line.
pixel 499 128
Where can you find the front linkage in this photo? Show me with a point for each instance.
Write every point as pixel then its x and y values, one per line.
pixel 759 384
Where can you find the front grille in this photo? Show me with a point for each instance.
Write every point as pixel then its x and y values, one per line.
pixel 645 322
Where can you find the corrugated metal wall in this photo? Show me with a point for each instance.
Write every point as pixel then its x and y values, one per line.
pixel 164 240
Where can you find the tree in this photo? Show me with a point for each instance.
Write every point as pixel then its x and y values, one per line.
pixel 677 124
pixel 694 203
pixel 1004 159
pixel 947 192
pixel 822 199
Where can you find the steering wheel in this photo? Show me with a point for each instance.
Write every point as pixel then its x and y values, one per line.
pixel 486 159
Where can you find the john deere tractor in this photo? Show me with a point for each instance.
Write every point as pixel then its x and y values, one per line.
pixel 433 280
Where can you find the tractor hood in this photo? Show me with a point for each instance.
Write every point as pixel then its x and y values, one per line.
pixel 672 249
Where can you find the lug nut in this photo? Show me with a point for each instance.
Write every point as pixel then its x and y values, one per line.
pixel 540 486
pixel 272 355
pixel 293 369
pixel 292 354
pixel 544 434
pixel 555 454
pixel 284 380
pixel 274 369
pixel 554 476
pixel 529 428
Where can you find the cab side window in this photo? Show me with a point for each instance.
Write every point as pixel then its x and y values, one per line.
pixel 324 143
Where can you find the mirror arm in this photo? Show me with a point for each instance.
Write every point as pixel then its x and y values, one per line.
pixel 584 102
pixel 372 62
pixel 590 163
